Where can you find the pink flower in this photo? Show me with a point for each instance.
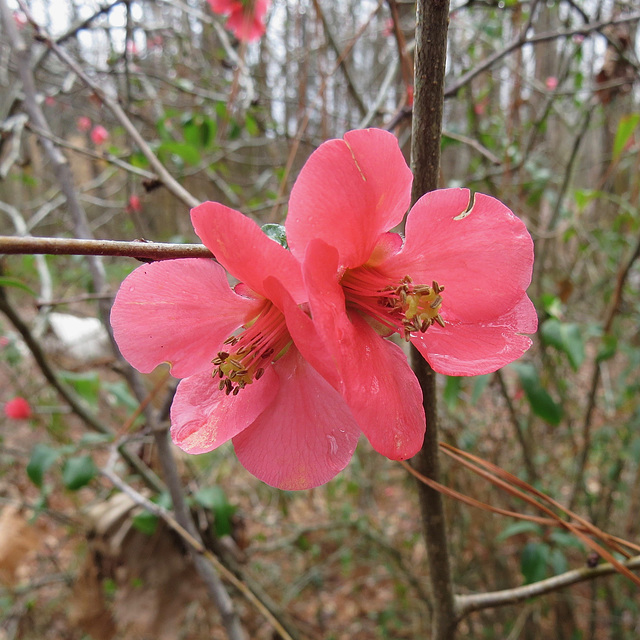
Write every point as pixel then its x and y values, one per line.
pixel 552 83
pixel 99 135
pixel 134 205
pixel 83 124
pixel 246 17
pixel 455 287
pixel 243 378
pixel 17 409
pixel 20 19
pixel 50 101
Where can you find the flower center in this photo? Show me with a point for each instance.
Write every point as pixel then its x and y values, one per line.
pixel 261 342
pixel 404 307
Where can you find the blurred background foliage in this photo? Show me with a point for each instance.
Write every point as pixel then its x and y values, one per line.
pixel 541 111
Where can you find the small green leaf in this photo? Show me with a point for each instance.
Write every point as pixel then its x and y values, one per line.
pixel 533 562
pixel 625 130
pixel 78 472
pixel 608 348
pixel 479 385
pixel 215 499
pixel 541 402
pixel 566 337
pixel 452 388
pixel 145 522
pixel 185 152
pixel 6 281
pixel 86 385
pixel 276 232
pixel 42 457
pixel 558 561
pixel 517 528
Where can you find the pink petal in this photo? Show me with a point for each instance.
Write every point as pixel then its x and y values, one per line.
pixel 245 250
pixel 305 437
pixel 469 349
pixel 177 311
pixel 376 380
pixel 203 417
pixel 247 27
pixel 348 193
pixel 224 6
pixel 484 259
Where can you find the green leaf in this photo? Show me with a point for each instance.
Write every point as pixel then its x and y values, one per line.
pixel 626 127
pixel 608 348
pixel 145 522
pixel 215 499
pixel 276 232
pixel 517 528
pixel 566 337
pixel 541 402
pixel 452 388
pixel 479 385
pixel 6 281
pixel 78 472
pixel 185 152
pixel 86 385
pixel 558 561
pixel 42 457
pixel 533 562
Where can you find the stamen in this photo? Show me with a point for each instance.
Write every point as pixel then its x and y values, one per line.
pixel 405 307
pixel 261 338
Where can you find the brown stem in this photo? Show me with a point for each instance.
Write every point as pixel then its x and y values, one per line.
pixel 432 23
pixel 81 247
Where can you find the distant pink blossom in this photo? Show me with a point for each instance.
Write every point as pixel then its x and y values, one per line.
pixel 132 48
pixel 155 42
pixel 134 205
pixel 455 286
pixel 50 101
pixel 243 378
pixel 20 19
pixel 83 124
pixel 245 17
pixel 99 135
pixel 17 409
pixel 388 28
pixel 552 83
pixel 4 341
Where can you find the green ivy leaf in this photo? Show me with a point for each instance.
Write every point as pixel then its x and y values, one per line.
pixel 42 457
pixel 78 472
pixel 276 232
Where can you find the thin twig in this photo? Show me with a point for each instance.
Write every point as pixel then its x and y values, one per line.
pixel 80 247
pixel 196 544
pixel 163 175
pixel 465 604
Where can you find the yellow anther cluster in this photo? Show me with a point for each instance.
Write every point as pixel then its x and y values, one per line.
pixel 418 305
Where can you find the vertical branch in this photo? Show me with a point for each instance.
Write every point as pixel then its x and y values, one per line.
pixel 429 68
